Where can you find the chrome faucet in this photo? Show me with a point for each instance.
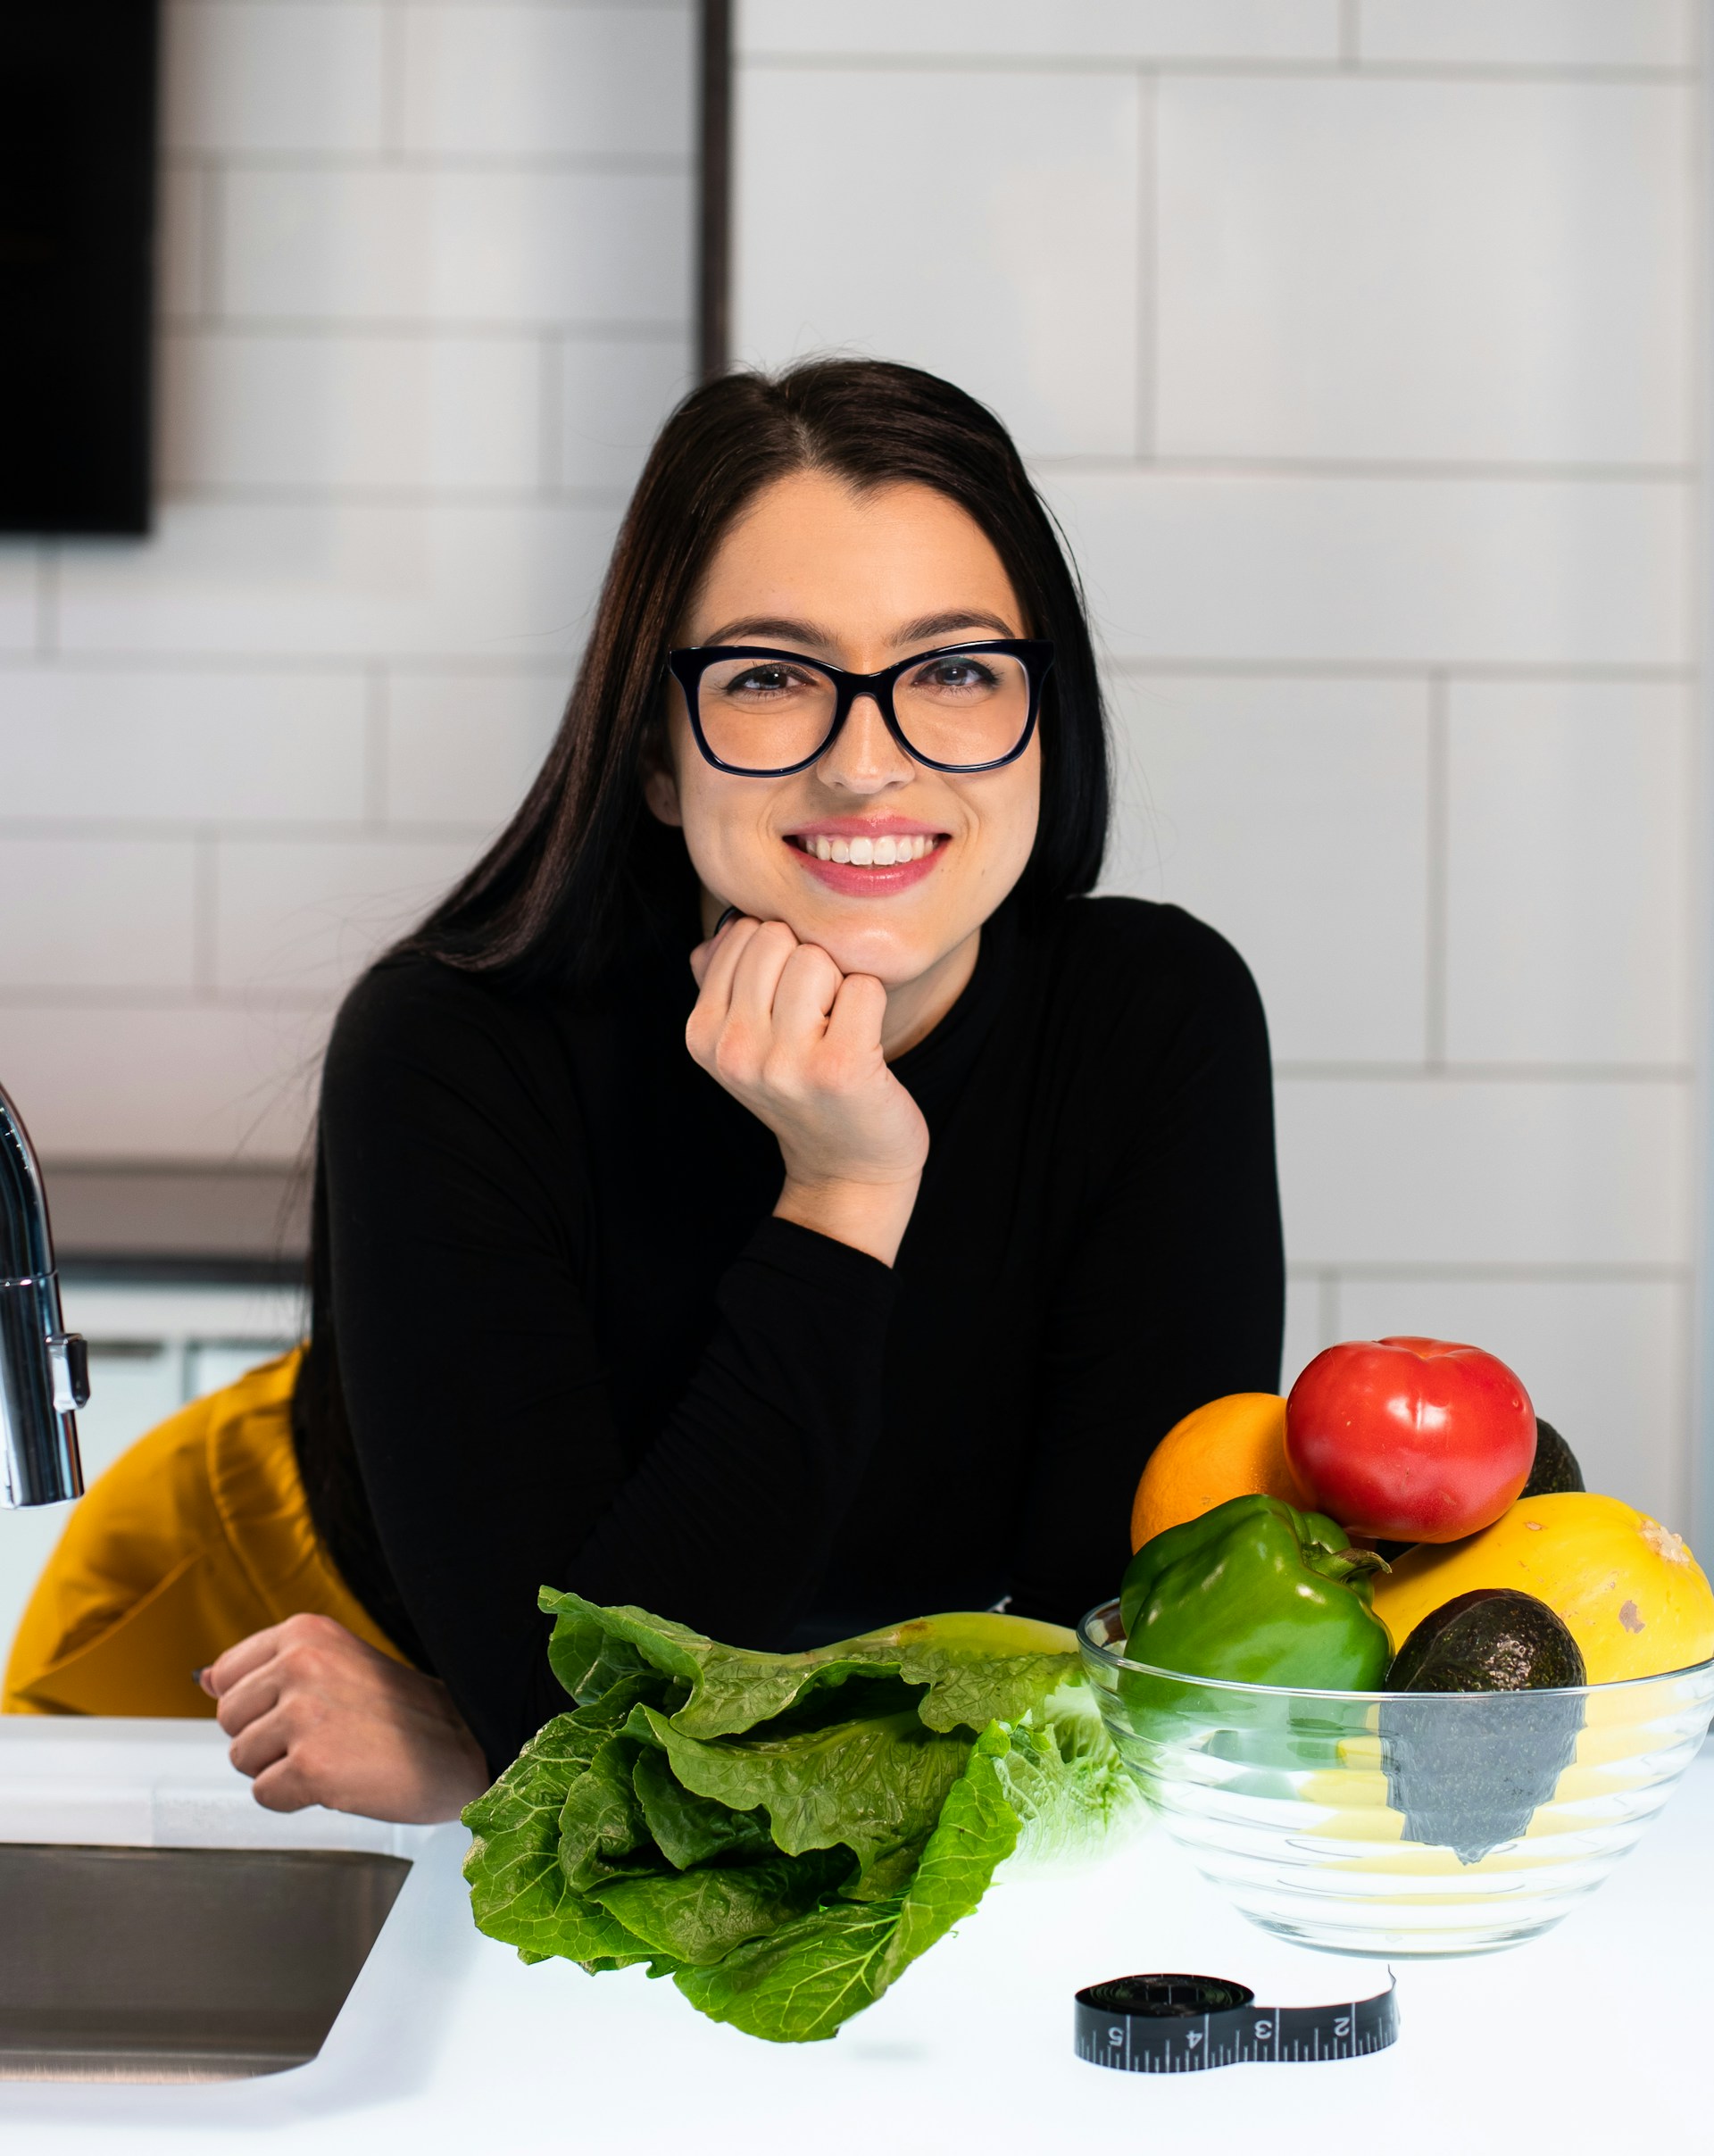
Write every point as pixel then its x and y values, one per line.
pixel 44 1369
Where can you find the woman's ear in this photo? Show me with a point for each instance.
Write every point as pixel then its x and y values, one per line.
pixel 661 791
pixel 660 780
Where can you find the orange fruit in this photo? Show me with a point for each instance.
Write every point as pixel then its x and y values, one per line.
pixel 1231 1447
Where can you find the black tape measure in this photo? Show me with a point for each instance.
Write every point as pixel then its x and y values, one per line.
pixel 1184 2025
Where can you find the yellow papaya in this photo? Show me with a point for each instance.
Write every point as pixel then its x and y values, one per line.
pixel 1628 1589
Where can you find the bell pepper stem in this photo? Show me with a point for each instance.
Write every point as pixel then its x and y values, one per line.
pixel 1346 1564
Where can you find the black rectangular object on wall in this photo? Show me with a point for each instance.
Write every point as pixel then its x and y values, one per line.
pixel 77 269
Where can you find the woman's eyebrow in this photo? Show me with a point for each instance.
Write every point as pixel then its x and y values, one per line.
pixel 950 624
pixel 748 628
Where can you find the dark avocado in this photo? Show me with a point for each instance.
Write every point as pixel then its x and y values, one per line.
pixel 1495 1639
pixel 1470 1777
pixel 1556 1468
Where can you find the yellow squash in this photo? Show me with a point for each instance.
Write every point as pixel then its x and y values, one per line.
pixel 1629 1591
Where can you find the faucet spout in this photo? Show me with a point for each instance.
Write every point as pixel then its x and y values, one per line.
pixel 44 1369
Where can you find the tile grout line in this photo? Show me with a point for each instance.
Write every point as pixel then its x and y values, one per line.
pixel 211 263
pixel 1275 667
pixel 377 712
pixel 1351 42
pixel 205 903
pixel 551 458
pixel 47 600
pixel 1327 1306
pixel 1148 277
pixel 622 330
pixel 430 164
pixel 1453 470
pixel 1496 1272
pixel 1253 67
pixel 393 49
pixel 1433 1022
pixel 1305 1070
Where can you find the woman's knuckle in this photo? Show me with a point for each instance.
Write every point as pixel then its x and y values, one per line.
pixel 735 1057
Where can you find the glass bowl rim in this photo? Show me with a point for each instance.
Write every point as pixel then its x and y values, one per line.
pixel 1089 1646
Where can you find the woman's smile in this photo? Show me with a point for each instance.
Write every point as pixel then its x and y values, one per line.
pixel 868 856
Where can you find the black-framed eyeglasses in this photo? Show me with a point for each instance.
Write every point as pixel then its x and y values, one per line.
pixel 761 713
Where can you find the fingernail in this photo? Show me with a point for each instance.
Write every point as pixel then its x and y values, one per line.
pixel 732 914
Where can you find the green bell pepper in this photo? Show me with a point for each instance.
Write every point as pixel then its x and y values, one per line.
pixel 1256 1593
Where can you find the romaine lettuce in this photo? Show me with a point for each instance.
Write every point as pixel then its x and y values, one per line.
pixel 783 1833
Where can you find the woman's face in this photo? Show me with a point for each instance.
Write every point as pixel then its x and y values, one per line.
pixel 860 579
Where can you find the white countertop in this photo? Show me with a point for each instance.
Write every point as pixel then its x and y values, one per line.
pixel 1593 2038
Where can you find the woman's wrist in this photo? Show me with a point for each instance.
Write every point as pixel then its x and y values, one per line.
pixel 869 1217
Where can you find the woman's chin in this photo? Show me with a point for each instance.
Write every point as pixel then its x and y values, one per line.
pixel 889 951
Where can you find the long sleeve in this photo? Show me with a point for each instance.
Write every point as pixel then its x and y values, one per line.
pixel 462 1234
pixel 1174 1290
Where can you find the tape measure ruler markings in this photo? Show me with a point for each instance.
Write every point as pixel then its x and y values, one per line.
pixel 1179 2024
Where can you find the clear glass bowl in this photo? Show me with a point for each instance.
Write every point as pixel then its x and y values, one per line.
pixel 1393 1823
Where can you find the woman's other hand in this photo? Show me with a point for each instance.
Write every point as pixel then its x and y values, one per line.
pixel 318 1717
pixel 799 1042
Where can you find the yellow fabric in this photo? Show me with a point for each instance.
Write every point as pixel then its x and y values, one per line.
pixel 195 1538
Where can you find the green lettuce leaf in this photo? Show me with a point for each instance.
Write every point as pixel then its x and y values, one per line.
pixel 871 1784
pixel 799 1985
pixel 783 1835
pixel 975 1666
pixel 600 1822
pixel 697 1918
pixel 519 1891
pixel 1070 1791
pixel 689 1829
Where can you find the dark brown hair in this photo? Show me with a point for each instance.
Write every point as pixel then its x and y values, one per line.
pixel 548 897
pixel 582 860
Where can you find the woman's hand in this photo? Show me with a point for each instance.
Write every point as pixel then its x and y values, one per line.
pixel 318 1717
pixel 799 1042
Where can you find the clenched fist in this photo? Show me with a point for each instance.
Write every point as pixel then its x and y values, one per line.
pixel 799 1042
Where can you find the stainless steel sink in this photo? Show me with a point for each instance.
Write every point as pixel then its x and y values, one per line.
pixel 179 1964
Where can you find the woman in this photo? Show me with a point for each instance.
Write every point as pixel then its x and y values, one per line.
pixel 875 1300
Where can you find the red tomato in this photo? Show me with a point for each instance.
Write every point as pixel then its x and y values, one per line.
pixel 1407 1440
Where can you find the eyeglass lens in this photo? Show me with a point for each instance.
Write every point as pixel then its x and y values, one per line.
pixel 956 708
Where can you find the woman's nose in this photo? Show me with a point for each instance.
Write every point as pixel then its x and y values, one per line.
pixel 863 757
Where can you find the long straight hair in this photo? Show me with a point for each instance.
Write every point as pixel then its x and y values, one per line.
pixel 549 898
pixel 582 863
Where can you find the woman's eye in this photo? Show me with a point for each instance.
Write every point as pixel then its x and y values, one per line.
pixel 954 677
pixel 763 681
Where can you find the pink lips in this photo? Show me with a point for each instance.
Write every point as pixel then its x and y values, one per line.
pixel 854 880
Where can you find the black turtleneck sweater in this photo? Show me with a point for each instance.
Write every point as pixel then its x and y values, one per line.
pixel 576 1350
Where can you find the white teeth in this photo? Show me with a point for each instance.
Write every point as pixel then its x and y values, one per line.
pixel 872 852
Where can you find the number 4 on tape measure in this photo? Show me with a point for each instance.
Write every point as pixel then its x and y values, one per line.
pixel 1184 2025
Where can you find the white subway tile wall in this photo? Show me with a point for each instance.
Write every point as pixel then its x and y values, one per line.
pixel 1293 815
pixel 1354 346
pixel 1012 266
pixel 426 292
pixel 1352 339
